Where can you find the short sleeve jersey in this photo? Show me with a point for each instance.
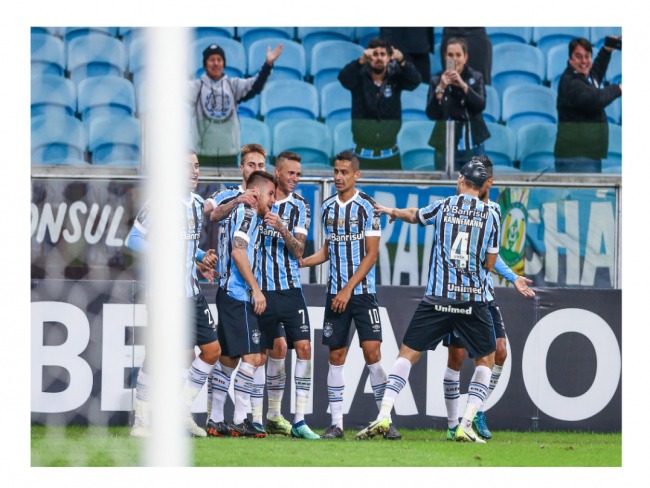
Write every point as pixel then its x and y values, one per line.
pixel 279 268
pixel 465 230
pixel 346 227
pixel 489 283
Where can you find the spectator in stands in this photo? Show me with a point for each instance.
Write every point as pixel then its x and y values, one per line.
pixel 457 94
pixel 479 48
pixel 582 134
pixel 416 43
pixel 215 97
pixel 376 81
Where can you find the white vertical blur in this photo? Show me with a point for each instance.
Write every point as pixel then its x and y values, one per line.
pixel 166 163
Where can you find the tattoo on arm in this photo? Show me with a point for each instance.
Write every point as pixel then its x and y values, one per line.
pixel 221 211
pixel 240 243
pixel 295 244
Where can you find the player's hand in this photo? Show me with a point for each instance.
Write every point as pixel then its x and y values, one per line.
pixel 208 273
pixel 341 300
pixel 249 197
pixel 273 220
pixel 210 259
pixel 272 55
pixel 259 302
pixel 380 209
pixel 521 284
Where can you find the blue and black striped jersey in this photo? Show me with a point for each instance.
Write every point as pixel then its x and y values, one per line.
pixel 244 223
pixel 346 227
pixel 224 195
pixel 279 268
pixel 466 229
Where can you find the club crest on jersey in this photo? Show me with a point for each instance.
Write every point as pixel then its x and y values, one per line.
pixel 329 222
pixel 341 222
pixel 328 329
pixel 255 336
pixel 354 223
pixel 286 222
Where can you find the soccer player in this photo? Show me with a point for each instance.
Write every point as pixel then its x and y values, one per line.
pixel 455 350
pixel 205 334
pixel 352 247
pixel 283 242
pixel 465 247
pixel 240 301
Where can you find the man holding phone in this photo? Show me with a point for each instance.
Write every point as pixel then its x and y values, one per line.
pixel 583 133
pixel 457 94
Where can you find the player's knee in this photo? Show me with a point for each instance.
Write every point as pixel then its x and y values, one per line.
pixel 211 353
pixel 303 350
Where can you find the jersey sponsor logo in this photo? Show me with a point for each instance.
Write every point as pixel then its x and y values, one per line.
pixel 464 289
pixel 190 236
pixel 269 232
pixel 328 329
pixel 450 309
pixel 347 237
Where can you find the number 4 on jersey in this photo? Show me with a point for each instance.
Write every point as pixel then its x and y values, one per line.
pixel 459 249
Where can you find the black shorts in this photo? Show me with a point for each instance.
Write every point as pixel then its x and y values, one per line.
pixel 497 320
pixel 471 321
pixel 364 309
pixel 238 331
pixel 205 329
pixel 286 315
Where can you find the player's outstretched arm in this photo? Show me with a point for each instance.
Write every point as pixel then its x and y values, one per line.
pixel 521 284
pixel 319 257
pixel 409 215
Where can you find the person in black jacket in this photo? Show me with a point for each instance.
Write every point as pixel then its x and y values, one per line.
pixel 582 134
pixel 479 48
pixel 376 81
pixel 459 95
pixel 416 43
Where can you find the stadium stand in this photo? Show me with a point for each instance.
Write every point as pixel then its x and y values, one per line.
pixel 597 35
pixel 514 63
pixel 129 34
pixel 48 54
pixel 53 95
pixel 74 32
pixel 249 35
pixel 501 146
pixel 288 99
pixel 492 112
pixel 256 132
pixel 414 103
pixel 413 142
pixel 614 111
pixel 556 62
pixel 614 72
pixel 250 108
pixel 136 68
pixel 535 147
pixel 105 95
pixel 547 37
pixel 335 104
pixel 58 140
pixel 95 55
pixel 309 138
pixel 434 60
pixel 342 135
pixel 499 35
pixel 235 56
pixel 329 57
pixel 291 64
pixel 310 36
pixel 115 140
pixel 53 31
pixel 527 104
pixel 614 161
pixel 201 32
pixel 363 35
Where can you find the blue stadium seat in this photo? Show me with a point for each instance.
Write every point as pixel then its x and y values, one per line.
pixel 434 60
pixel 105 95
pixel 288 99
pixel 613 162
pixel 514 63
pixel 130 34
pixel 499 35
pixel 95 55
pixel 310 36
pixel 309 138
pixel 363 35
pixel 614 72
pixel 556 62
pixel 53 95
pixel 74 32
pixel 137 62
pixel 235 56
pixel 547 37
pixel 492 112
pixel 343 140
pixel 329 57
pixel 614 111
pixel 53 31
pixel 201 32
pixel 536 146
pixel 335 104
pixel 527 104
pixel 413 142
pixel 501 146
pixel 290 65
pixel 414 103
pixel 597 35
pixel 115 140
pixel 249 109
pixel 249 35
pixel 256 132
pixel 47 54
pixel 57 140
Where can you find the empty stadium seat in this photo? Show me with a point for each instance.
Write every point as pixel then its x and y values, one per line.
pixel 74 32
pixel 556 62
pixel 130 34
pixel 547 37
pixel 335 104
pixel 290 65
pixel 53 95
pixel 536 146
pixel 527 104
pixel 249 35
pixel 201 32
pixel 250 108
pixel 514 63
pixel 47 54
pixel 256 132
pixel 492 112
pixel 501 146
pixel 414 103
pixel 115 140
pixel 499 35
pixel 614 160
pixel 53 31
pixel 57 140
pixel 95 55
pixel 309 138
pixel 310 36
pixel 235 56
pixel 413 142
pixel 329 57
pixel 105 95
pixel 137 61
pixel 363 35
pixel 597 35
pixel 288 99
pixel 613 111
pixel 434 61
pixel 614 72
pixel 343 140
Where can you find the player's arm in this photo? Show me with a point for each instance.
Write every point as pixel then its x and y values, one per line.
pixel 342 298
pixel 490 260
pixel 319 257
pixel 408 215
pixel 521 282
pixel 295 243
pixel 240 258
pixel 222 211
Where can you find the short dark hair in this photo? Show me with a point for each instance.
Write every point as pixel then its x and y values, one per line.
pixel 485 160
pixel 457 40
pixel 289 155
pixel 580 41
pixel 381 42
pixel 257 177
pixel 349 156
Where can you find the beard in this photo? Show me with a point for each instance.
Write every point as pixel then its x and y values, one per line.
pixel 378 70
